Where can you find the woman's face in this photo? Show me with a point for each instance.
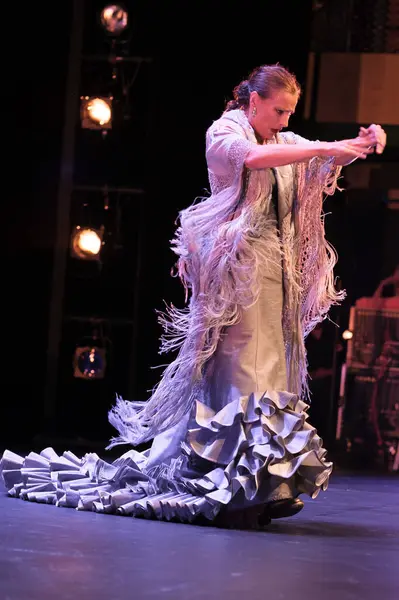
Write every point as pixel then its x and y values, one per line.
pixel 272 114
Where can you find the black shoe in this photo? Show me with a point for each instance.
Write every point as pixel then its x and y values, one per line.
pixel 250 517
pixel 284 508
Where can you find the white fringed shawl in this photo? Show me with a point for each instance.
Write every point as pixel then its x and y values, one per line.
pixel 223 244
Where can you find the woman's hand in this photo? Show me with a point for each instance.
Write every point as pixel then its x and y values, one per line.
pixel 345 151
pixel 376 136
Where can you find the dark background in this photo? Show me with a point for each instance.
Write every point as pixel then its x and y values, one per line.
pixel 198 52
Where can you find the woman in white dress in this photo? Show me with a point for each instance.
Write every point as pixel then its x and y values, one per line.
pixel 231 441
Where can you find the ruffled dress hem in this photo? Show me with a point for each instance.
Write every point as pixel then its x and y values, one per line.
pixel 257 449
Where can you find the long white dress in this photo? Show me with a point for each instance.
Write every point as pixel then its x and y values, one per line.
pixel 244 442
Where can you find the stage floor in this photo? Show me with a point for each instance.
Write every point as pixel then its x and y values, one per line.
pixel 343 546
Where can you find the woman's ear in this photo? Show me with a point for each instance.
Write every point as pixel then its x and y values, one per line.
pixel 253 98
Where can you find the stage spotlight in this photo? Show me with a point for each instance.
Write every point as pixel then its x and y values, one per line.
pixel 114 19
pixel 347 334
pixel 96 112
pixel 86 243
pixel 89 362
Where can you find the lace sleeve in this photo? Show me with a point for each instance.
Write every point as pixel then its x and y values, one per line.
pixel 226 148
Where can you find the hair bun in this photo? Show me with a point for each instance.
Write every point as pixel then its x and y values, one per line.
pixel 241 92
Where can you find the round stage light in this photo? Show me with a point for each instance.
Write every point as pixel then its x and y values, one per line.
pixel 89 362
pixel 99 111
pixel 347 334
pixel 114 19
pixel 86 243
